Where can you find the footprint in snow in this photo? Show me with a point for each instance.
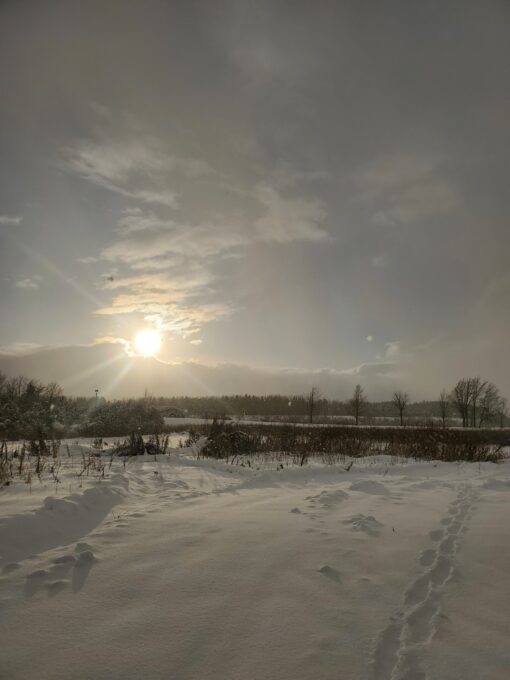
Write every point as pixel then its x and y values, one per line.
pixel 85 557
pixel 330 573
pixel 327 499
pixel 34 582
pixel 39 574
pixel 81 546
pixel 62 565
pixel 84 563
pixel 427 558
pixel 64 559
pixel 371 487
pixel 55 587
pixel 366 523
pixel 436 535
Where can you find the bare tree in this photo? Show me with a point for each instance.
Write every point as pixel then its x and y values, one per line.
pixel 478 389
pixel 400 401
pixel 502 412
pixel 313 398
pixel 444 403
pixel 52 391
pixel 461 398
pixel 357 404
pixel 16 387
pixel 477 401
pixel 490 404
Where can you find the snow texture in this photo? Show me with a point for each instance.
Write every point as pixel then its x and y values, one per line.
pixel 203 571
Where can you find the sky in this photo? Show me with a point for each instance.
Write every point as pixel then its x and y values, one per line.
pixel 272 185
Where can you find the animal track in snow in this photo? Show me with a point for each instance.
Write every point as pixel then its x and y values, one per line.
pixel 396 656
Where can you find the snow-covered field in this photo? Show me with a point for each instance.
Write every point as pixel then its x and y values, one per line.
pixel 191 570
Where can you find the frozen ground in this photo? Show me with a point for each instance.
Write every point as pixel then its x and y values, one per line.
pixel 193 570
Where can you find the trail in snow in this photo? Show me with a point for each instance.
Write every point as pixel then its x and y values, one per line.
pixel 397 655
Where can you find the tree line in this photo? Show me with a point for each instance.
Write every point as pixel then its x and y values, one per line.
pixel 29 408
pixel 475 401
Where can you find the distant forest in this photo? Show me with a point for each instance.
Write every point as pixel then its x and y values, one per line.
pixel 240 405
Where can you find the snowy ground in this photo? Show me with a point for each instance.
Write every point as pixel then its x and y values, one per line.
pixel 193 570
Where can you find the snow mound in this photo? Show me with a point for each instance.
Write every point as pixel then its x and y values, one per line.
pixel 59 521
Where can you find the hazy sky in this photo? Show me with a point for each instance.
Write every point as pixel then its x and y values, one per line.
pixel 273 184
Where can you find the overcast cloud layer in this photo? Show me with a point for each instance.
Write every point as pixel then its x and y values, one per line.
pixel 274 184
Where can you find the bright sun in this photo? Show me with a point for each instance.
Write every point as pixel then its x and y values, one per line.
pixel 147 342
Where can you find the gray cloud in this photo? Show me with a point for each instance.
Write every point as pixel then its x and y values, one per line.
pixel 278 180
pixel 10 219
pixel 134 168
pixel 126 159
pixel 147 242
pixel 27 283
pixel 289 219
pixel 163 300
pixel 403 189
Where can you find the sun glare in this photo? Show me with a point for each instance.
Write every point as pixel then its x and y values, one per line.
pixel 147 342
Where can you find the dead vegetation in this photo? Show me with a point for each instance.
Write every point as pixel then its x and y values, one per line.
pixel 255 445
pixel 135 445
pixel 43 459
pixel 336 444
